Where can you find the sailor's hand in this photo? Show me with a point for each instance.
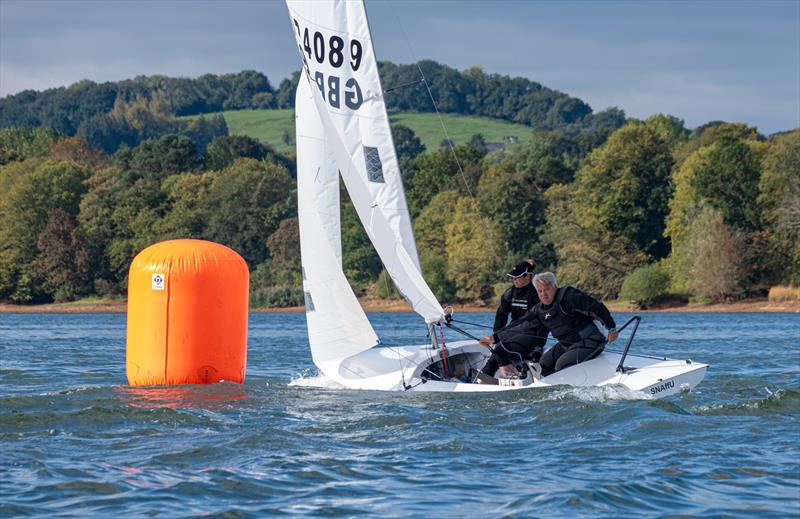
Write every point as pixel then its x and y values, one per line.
pixel 486 341
pixel 612 335
pixel 448 314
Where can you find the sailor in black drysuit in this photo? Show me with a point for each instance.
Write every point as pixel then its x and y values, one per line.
pixel 570 316
pixel 516 302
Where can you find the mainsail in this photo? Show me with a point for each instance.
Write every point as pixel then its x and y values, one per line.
pixel 341 79
pixel 343 126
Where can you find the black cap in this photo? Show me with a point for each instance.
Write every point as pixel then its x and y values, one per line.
pixel 520 269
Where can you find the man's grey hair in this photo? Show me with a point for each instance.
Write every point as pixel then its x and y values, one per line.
pixel 545 278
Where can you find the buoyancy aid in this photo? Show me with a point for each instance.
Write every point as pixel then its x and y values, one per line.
pixel 564 322
pixel 515 302
pixel 520 300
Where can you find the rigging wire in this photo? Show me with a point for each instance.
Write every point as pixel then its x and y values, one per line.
pixel 499 344
pixel 404 85
pixel 471 324
pixel 422 79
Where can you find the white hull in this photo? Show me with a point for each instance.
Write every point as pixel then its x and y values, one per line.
pixel 415 368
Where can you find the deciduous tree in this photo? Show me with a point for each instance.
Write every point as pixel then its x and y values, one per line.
pixel 246 203
pixel 408 146
pixel 63 262
pixel 32 189
pixel 473 251
pixel 718 256
pixel 779 197
pixel 610 220
pixel 186 205
pixel 439 171
pixel 723 175
pixel 283 247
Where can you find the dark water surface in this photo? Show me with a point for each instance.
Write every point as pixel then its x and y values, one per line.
pixel 75 440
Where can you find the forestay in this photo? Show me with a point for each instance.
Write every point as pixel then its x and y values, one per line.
pixel 340 69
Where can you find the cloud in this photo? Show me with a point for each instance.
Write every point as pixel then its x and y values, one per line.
pixel 696 60
pixel 44 41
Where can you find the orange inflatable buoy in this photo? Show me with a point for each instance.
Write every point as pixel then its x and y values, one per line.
pixel 187 314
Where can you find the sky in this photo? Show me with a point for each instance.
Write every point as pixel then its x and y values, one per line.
pixel 701 61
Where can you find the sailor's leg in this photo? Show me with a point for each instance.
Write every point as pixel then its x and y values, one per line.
pixel 491 365
pixel 523 346
pixel 550 357
pixel 515 350
pixel 498 366
pixel 577 353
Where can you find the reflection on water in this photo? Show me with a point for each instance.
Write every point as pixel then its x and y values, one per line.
pixel 202 396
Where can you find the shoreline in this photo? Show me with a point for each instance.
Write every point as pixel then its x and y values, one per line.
pixel 378 306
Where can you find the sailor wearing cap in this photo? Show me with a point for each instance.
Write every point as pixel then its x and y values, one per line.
pixel 519 298
pixel 515 302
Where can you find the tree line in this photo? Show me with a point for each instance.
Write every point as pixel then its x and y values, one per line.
pixel 656 210
pixel 125 113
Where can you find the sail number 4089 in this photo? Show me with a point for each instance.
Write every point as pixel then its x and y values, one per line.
pixel 317 48
pixel 336 87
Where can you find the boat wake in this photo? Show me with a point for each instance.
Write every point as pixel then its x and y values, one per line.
pixel 596 394
pixel 779 401
pixel 315 380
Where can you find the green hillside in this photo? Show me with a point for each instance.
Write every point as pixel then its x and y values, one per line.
pixel 269 125
pixel 263 125
pixel 460 128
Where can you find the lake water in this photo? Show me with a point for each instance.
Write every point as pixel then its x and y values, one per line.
pixel 75 440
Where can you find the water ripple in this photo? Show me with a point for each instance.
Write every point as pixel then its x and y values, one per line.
pixel 78 442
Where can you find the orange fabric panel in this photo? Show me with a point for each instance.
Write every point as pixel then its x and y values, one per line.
pixel 187 314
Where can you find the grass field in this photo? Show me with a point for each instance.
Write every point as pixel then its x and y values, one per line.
pixel 264 125
pixel 460 128
pixel 269 125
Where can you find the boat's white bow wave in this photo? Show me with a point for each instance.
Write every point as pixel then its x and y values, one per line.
pixel 315 380
pixel 597 394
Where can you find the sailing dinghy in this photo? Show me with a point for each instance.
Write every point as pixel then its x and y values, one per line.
pixel 343 129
